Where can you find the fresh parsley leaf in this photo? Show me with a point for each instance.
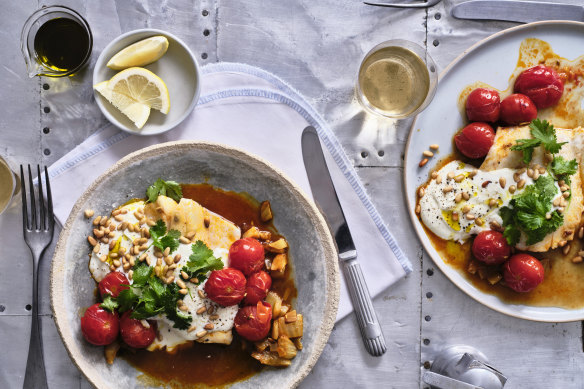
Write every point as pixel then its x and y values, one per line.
pixel 201 261
pixel 162 239
pixel 148 296
pixel 527 146
pixel 528 213
pixel 109 303
pixel 544 134
pixel 563 169
pixel 171 189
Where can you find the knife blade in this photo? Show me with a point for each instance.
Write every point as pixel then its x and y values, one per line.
pixel 517 11
pixel 326 197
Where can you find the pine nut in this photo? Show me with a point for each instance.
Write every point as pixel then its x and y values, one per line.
pixel 465 196
pixel 466 209
pixel 535 175
pixel 418 209
pixel 530 173
pixel 209 326
pixel 458 198
pixel 191 234
pixel 548 216
pixel 191 329
pixel 450 175
pixel 439 179
pixel 184 240
pixel 117 263
pixel 173 266
pixel 103 258
pixel 96 221
pixel 581 233
pixel 427 153
pixel 119 218
pixel 479 222
pixel 434 146
pixel 201 310
pixel 183 308
pixel 210 309
pixel 521 184
pixel 91 240
pixel 144 247
pixel 184 275
pixel 105 240
pixel 96 248
pixel 88 213
pixel 447 188
pixel 98 233
pixel 577 259
pixel 502 182
pixel 512 189
pixel 194 280
pixel 201 294
pixel 130 274
pixel 434 175
pixel 168 260
pixel 200 334
pixel 214 317
pixel 170 279
pixel 459 178
pixel 166 251
pixel 541 170
pixel 423 162
pixel 473 173
pixel 566 249
pixel 455 216
pixel 470 216
pixel 150 223
pixel 495 225
pixel 493 203
pixel 126 266
pixel 566 194
pixel 181 284
pixel 177 258
pixel 561 210
pixel 183 291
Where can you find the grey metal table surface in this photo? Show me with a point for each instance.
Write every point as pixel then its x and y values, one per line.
pixel 316 46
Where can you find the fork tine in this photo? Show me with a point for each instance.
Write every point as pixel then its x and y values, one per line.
pixel 33 220
pixel 25 223
pixel 49 200
pixel 42 221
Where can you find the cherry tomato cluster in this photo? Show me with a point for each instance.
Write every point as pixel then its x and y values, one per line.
pixel 536 88
pixel 101 327
pixel 521 272
pixel 229 286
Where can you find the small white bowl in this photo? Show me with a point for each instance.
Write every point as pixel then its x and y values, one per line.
pixel 178 69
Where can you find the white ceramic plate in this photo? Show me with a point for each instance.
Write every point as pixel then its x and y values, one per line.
pixel 312 251
pixel 492 61
pixel 178 69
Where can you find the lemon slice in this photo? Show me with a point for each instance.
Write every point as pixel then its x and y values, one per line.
pixel 142 86
pixel 137 112
pixel 140 53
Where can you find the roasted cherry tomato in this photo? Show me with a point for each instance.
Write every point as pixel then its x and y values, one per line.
pixel 112 284
pixel 252 322
pixel 226 286
pixel 517 109
pixel 100 327
pixel 134 333
pixel 482 105
pixel 491 247
pixel 247 255
pixel 541 84
pixel 258 285
pixel 523 272
pixel 475 140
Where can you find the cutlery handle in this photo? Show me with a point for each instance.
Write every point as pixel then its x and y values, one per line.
pixel 35 376
pixel 366 316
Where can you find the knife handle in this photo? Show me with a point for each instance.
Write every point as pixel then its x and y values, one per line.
pixel 366 316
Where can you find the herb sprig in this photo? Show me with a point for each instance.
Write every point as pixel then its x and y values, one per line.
pixel 201 261
pixel 163 239
pixel 171 189
pixel 544 134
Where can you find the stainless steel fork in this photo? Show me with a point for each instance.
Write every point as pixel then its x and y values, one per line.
pixel 426 4
pixel 38 233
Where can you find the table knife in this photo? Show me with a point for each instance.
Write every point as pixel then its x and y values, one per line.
pixel 326 197
pixel 517 11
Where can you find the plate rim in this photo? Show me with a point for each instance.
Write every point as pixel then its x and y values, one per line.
pixel 472 291
pixel 332 286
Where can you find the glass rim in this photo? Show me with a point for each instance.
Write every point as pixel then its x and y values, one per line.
pixel 426 58
pixel 4 161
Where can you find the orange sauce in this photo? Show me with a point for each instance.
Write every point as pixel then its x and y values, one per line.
pixel 212 365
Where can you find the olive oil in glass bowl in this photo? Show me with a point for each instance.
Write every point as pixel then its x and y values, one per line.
pixel 56 41
pixel 397 79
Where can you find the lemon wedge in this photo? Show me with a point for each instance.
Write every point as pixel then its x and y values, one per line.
pixel 142 86
pixel 137 112
pixel 140 53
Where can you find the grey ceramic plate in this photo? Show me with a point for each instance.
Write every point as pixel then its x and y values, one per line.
pixel 295 216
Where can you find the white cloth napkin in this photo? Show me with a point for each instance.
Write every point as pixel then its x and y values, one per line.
pixel 245 107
